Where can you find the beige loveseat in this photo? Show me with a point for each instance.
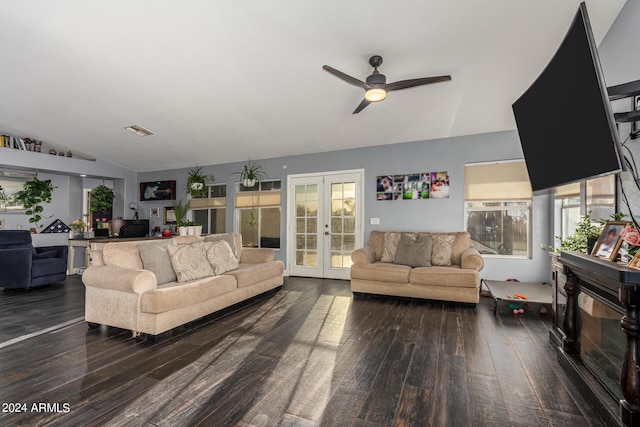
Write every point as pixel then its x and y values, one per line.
pixel 439 266
pixel 151 286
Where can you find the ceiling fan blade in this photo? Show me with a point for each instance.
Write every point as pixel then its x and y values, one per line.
pixel 404 84
pixel 347 78
pixel 362 106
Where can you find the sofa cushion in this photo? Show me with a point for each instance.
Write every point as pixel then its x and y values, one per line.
pixel 189 261
pixel 155 257
pixel 250 274
pixel 442 249
pixel 381 272
pixel 220 256
pixel 173 296
pixel 414 251
pixel 451 276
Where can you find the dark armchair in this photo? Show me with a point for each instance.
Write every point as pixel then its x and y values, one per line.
pixel 24 266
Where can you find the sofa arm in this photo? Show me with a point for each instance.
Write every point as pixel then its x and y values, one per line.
pixel 119 279
pixel 471 259
pixel 257 255
pixel 366 255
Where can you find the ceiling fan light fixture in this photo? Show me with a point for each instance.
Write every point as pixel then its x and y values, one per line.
pixel 375 94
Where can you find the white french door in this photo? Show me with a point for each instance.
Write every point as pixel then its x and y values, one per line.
pixel 325 223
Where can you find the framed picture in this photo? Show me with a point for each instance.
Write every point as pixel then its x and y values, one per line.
pixel 609 241
pixel 154 213
pixel 157 190
pixel 169 215
pixel 635 261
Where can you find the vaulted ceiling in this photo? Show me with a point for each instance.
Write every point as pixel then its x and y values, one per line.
pixel 224 81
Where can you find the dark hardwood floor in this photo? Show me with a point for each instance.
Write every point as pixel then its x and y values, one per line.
pixel 308 355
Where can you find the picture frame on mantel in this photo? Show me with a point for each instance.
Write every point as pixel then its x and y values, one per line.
pixel 157 190
pixel 609 242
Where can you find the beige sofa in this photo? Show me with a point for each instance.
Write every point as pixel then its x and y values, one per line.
pixel 151 286
pixel 441 266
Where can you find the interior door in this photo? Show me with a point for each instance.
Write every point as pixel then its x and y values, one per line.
pixel 325 223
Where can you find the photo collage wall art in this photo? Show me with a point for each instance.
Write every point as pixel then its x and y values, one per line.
pixel 427 185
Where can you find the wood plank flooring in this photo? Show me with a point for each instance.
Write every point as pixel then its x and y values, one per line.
pixel 308 355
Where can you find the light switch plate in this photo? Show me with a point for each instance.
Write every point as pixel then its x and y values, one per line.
pixel 374 221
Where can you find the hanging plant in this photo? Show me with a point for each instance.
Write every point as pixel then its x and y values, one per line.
pixel 251 174
pixel 33 194
pixel 101 198
pixel 196 183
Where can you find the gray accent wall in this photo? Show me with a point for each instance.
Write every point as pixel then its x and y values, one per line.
pixel 450 154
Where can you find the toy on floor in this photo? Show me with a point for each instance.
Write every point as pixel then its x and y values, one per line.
pixel 516 308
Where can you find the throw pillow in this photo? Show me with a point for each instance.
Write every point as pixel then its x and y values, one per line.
pixel 414 252
pixel 189 261
pixel 442 248
pixel 221 257
pixel 390 246
pixel 226 237
pixel 155 257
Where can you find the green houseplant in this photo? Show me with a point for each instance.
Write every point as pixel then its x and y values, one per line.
pixel 585 236
pixel 101 198
pixel 33 194
pixel 180 211
pixel 196 183
pixel 251 174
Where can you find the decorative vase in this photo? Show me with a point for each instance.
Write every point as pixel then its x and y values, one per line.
pixel 249 182
pixel 182 231
pixel 198 230
pixel 191 230
pixel 72 234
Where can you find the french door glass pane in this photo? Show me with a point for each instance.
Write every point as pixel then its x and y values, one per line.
pixel 343 210
pixel 306 224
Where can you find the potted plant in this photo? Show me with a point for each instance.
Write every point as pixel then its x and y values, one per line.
pixel 251 174
pixel 586 235
pixel 33 194
pixel 180 211
pixel 101 198
pixel 196 183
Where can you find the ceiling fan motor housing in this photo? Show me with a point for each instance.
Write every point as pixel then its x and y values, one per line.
pixel 376 79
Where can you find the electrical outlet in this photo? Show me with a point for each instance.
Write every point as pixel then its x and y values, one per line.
pixel 374 221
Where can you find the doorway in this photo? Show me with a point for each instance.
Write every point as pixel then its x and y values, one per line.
pixel 325 221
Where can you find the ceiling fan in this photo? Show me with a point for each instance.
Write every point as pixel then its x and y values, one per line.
pixel 376 86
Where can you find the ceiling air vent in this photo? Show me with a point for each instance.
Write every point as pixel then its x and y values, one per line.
pixel 139 130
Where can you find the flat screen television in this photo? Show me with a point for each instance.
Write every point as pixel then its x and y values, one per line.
pixel 565 122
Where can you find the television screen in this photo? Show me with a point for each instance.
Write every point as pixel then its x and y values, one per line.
pixel 565 122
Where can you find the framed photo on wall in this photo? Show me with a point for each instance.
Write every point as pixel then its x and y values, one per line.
pixel 169 215
pixel 609 241
pixel 157 190
pixel 154 213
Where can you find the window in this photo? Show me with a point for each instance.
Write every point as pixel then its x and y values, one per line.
pixel 498 207
pixel 258 214
pixel 211 211
pixel 570 205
